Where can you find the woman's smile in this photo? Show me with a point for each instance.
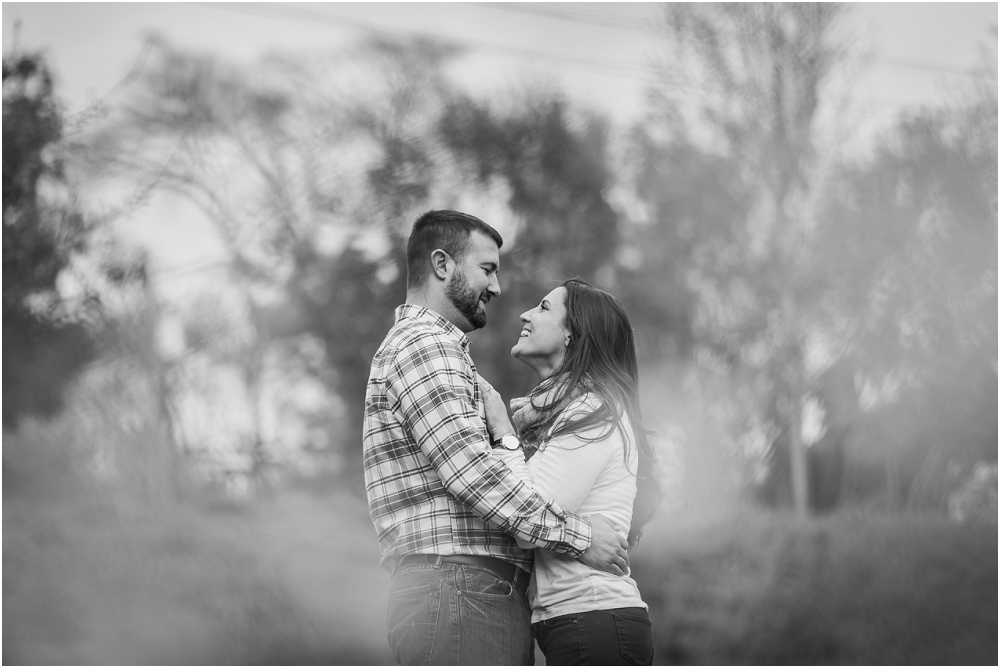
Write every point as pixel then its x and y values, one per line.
pixel 543 338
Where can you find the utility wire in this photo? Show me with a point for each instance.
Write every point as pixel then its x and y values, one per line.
pixel 611 21
pixel 195 268
pixel 910 63
pixel 625 70
pixel 561 60
pixel 621 70
pixel 603 21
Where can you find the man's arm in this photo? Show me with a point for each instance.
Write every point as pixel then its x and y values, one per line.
pixel 568 469
pixel 430 387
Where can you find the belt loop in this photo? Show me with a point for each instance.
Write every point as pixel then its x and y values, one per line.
pixel 438 560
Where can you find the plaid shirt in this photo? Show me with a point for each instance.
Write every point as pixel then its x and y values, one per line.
pixel 430 473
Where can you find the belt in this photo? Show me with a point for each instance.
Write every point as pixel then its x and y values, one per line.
pixel 505 570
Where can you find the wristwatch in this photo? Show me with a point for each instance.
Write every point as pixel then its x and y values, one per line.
pixel 507 442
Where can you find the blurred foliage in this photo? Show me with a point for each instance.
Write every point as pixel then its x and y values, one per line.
pixel 910 248
pixel 95 580
pixel 64 277
pixel 809 277
pixel 776 286
pixel 555 174
pixel 423 145
pixel 731 175
pixel 758 588
pixel 257 164
pixel 42 347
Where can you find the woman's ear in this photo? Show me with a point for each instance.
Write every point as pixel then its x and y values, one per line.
pixel 440 263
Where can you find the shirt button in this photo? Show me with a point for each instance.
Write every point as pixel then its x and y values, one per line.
pixel 579 543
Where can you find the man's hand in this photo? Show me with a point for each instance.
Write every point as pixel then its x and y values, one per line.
pixel 497 421
pixel 608 549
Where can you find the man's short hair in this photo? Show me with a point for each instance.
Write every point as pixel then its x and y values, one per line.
pixel 444 229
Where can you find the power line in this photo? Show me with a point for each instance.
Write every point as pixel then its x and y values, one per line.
pixel 611 21
pixel 603 20
pixel 622 70
pixel 625 70
pixel 911 63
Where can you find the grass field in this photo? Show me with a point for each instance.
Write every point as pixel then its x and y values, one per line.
pixel 763 589
pixel 289 582
pixel 293 581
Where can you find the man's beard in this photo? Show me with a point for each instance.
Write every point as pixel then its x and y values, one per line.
pixel 466 300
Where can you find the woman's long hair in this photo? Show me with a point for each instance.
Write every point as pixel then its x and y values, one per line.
pixel 601 359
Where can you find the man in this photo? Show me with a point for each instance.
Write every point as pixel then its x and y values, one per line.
pixel 445 507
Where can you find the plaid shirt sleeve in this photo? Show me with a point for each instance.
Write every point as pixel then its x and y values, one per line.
pixel 431 386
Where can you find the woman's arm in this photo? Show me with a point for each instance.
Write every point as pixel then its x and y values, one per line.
pixel 567 467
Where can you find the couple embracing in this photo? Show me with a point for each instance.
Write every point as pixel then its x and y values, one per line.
pixel 489 548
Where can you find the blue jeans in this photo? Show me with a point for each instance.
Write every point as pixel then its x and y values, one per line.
pixel 451 614
pixel 618 637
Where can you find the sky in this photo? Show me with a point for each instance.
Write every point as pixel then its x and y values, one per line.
pixel 596 52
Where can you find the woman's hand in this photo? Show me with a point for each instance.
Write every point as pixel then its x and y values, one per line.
pixel 524 413
pixel 528 411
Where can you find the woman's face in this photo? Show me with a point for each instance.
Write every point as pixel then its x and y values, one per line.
pixel 544 338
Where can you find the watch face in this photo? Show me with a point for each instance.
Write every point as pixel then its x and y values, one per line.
pixel 510 442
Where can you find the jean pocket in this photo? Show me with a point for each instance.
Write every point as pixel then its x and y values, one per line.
pixel 561 620
pixel 635 637
pixel 558 636
pixel 481 583
pixel 411 622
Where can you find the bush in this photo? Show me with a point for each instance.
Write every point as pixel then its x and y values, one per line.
pixel 843 589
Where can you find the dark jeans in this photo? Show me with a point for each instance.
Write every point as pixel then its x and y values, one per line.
pixel 622 636
pixel 450 614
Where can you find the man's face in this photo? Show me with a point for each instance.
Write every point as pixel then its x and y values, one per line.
pixel 474 281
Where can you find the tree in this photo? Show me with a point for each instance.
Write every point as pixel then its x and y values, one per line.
pixel 44 345
pixel 308 177
pixel 910 241
pixel 77 331
pixel 865 287
pixel 552 169
pixel 732 175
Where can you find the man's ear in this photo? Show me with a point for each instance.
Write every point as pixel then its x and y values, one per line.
pixel 441 263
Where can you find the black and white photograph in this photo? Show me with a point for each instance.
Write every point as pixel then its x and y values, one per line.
pixel 500 333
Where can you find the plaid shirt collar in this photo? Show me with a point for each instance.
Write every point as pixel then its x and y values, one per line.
pixel 414 312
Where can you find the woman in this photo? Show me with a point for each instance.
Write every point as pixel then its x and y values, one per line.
pixel 593 456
